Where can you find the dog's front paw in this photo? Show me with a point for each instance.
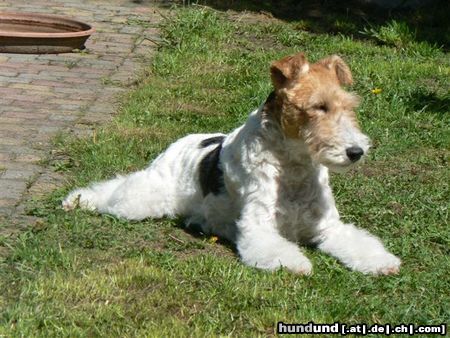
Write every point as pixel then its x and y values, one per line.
pixel 301 266
pixel 80 198
pixel 293 261
pixel 381 264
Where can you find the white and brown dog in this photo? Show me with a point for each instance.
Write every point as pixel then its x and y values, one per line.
pixel 265 185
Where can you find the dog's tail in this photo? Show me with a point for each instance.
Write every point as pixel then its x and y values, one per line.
pixel 137 196
pixel 94 197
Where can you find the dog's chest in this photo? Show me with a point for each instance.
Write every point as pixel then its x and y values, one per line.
pixel 299 208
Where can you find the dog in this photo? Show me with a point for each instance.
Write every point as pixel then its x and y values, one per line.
pixel 265 186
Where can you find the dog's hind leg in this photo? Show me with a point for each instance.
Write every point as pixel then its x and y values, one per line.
pixel 168 187
pixel 136 196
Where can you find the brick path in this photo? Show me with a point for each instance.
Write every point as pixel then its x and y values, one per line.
pixel 42 95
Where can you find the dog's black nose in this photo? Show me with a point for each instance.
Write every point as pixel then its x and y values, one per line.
pixel 354 153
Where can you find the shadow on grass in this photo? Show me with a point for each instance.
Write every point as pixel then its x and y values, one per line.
pixel 195 230
pixel 429 102
pixel 428 23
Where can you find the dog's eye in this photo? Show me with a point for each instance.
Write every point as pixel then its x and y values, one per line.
pixel 323 107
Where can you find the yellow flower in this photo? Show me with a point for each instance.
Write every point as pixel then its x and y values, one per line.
pixel 213 239
pixel 376 91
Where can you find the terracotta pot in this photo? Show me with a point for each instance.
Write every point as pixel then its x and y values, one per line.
pixel 32 33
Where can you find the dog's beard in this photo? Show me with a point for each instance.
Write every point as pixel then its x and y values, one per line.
pixel 336 160
pixel 339 168
pixel 332 153
pixel 332 156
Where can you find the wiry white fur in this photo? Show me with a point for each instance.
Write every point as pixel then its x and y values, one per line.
pixel 275 196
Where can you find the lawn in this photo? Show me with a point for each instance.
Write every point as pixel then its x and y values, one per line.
pixel 82 274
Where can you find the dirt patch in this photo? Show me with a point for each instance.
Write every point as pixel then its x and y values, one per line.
pixel 252 17
pixel 192 108
pixel 404 166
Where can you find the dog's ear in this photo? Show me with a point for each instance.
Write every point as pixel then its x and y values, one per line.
pixel 287 69
pixel 343 73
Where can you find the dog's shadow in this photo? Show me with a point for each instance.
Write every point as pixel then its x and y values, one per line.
pixel 195 230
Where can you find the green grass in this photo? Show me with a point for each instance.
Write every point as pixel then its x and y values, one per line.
pixel 81 274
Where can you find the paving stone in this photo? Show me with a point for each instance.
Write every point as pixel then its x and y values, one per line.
pixel 5 215
pixel 20 174
pixel 29 158
pixel 16 79
pixel 12 189
pixel 5 156
pixel 16 112
pixel 46 182
pixel 6 140
pixel 19 166
pixel 46 94
pixel 68 117
pixel 8 202
pixel 8 92
pixel 31 87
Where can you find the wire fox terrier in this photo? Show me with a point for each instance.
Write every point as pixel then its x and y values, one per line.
pixel 265 185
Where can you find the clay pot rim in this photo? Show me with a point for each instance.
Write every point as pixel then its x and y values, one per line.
pixel 85 29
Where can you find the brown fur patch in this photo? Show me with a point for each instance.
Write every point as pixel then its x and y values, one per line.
pixel 309 100
pixel 287 69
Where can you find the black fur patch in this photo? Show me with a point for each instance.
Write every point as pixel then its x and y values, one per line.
pixel 211 176
pixel 270 98
pixel 212 140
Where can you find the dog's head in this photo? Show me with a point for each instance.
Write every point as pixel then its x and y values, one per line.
pixel 312 108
